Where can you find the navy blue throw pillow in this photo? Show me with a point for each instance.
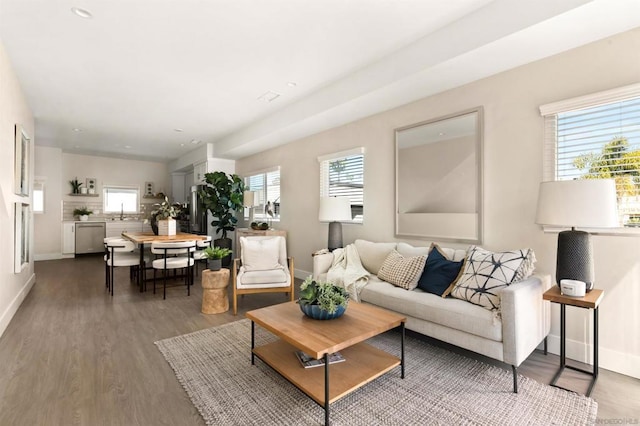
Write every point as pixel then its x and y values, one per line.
pixel 439 272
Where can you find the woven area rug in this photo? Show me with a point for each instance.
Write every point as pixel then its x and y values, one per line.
pixel 440 387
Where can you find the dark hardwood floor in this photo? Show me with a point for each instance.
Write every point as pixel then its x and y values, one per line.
pixel 72 355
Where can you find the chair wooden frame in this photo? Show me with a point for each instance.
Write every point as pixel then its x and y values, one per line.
pixel 237 291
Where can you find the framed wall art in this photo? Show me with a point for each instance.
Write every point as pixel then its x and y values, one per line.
pixel 21 165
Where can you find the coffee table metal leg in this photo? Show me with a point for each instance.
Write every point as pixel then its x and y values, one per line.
pixel 253 342
pixel 326 389
pixel 402 351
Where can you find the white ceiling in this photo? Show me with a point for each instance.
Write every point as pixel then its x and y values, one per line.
pixel 139 69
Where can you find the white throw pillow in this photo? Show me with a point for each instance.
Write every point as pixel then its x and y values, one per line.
pixel 487 273
pixel 260 254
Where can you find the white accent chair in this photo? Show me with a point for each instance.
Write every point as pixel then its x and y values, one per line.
pixel 263 268
pixel 120 252
pixel 174 255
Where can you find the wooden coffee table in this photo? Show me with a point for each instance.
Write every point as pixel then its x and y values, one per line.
pixel 363 363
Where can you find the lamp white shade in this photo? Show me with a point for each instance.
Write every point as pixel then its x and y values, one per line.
pixel 248 198
pixel 334 209
pixel 584 203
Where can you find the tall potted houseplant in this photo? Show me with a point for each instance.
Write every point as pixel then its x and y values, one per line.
pixel 223 197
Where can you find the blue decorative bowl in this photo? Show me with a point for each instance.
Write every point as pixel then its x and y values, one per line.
pixel 314 311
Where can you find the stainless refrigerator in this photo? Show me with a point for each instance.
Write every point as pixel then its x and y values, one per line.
pixel 197 212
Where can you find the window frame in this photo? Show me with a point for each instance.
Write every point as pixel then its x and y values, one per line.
pixel 105 190
pixel 549 113
pixel 324 163
pixel 256 212
pixel 39 182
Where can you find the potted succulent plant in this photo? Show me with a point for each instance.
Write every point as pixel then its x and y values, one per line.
pixel 83 213
pixel 162 218
pixel 214 256
pixel 322 300
pixel 223 196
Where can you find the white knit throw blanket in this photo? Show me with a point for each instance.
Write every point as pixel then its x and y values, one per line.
pixel 347 271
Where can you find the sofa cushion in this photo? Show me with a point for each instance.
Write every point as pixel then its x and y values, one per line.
pixel 408 250
pixel 373 254
pixel 440 274
pixel 487 273
pixel 402 271
pixel 449 312
pixel 260 254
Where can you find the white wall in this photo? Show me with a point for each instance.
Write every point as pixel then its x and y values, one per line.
pixel 13 110
pixel 512 173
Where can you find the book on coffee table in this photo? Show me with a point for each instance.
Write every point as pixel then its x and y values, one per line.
pixel 309 362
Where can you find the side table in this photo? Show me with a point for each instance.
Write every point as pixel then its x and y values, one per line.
pixel 590 301
pixel 215 298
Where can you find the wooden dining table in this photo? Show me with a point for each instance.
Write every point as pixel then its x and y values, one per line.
pixel 142 238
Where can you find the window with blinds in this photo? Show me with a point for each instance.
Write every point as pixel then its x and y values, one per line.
pixel 598 137
pixel 266 186
pixel 342 175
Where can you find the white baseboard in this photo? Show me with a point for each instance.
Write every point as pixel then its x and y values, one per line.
pixel 11 310
pixel 300 274
pixel 609 359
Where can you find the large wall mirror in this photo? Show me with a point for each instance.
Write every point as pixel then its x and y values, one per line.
pixel 439 178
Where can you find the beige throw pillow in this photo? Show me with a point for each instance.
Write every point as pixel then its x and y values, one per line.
pixel 402 271
pixel 373 254
pixel 260 254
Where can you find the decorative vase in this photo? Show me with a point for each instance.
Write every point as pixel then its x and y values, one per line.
pixel 167 227
pixel 83 190
pixel 214 264
pixel 84 217
pixel 315 312
pixel 92 191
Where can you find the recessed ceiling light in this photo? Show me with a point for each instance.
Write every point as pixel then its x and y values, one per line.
pixel 292 83
pixel 181 144
pixel 195 142
pixel 127 146
pixel 177 129
pixel 82 13
pixel 77 147
pixel 77 129
pixel 441 134
pixel 269 96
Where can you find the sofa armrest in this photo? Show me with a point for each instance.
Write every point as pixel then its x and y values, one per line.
pixel 526 317
pixel 321 264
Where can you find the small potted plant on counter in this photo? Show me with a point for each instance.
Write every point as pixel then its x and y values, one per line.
pixel 83 213
pixel 322 300
pixel 214 256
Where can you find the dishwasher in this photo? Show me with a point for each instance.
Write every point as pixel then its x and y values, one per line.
pixel 90 237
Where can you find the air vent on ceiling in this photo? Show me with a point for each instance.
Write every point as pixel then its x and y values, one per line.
pixel 269 96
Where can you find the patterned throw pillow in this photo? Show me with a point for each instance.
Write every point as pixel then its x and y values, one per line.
pixel 402 271
pixel 486 274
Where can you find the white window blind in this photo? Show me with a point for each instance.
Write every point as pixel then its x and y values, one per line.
pixel 266 185
pixel 597 139
pixel 342 175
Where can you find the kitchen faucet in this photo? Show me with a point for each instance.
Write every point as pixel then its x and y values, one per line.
pixel 121 211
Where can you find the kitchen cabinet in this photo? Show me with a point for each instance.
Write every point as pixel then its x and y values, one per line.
pixel 68 237
pixel 199 170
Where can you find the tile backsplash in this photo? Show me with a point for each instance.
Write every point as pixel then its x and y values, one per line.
pixel 96 206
